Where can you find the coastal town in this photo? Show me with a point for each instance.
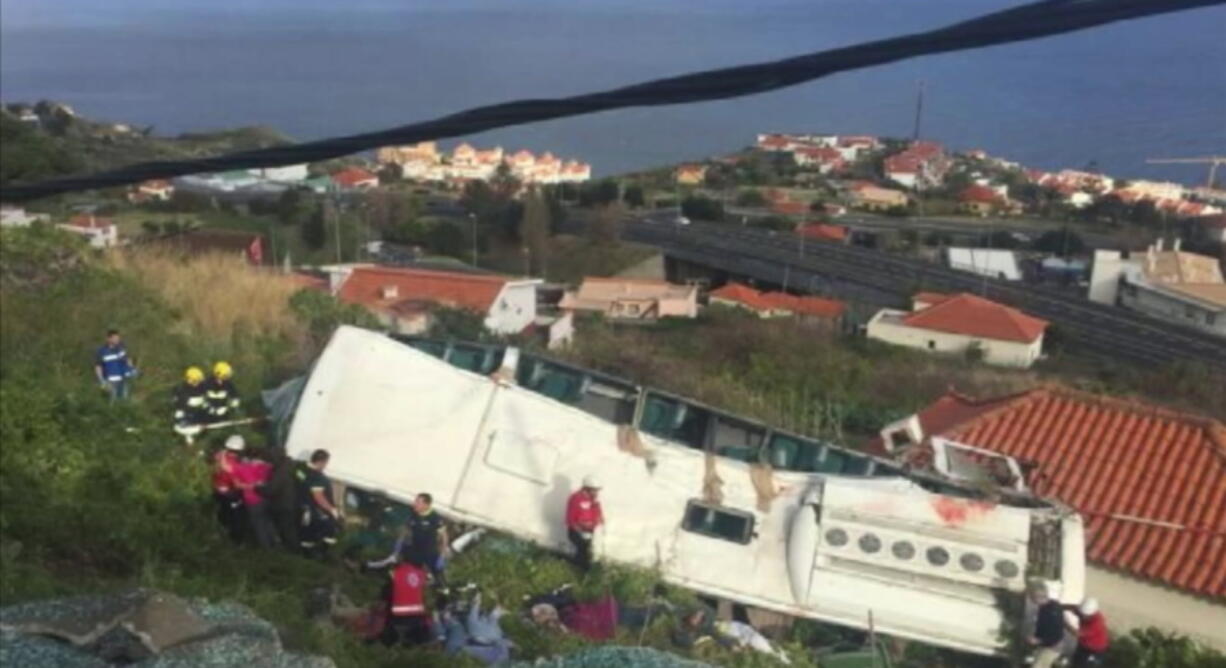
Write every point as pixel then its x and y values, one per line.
pixel 842 307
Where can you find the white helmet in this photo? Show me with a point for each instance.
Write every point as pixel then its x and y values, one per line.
pixel 1089 606
pixel 591 482
pixel 236 443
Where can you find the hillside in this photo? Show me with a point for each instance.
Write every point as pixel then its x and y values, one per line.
pixel 49 139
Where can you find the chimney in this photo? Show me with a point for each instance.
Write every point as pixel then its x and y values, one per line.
pixel 389 292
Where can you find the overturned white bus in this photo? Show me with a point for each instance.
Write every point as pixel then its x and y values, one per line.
pixel 719 504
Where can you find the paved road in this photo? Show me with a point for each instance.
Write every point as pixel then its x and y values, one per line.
pixel 1090 326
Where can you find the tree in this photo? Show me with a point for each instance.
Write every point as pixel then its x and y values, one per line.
pixel 633 197
pixel 1060 242
pixel 444 238
pixel 315 230
pixel 779 223
pixel 600 193
pixel 293 206
pixel 699 207
pixel 534 232
pixel 750 197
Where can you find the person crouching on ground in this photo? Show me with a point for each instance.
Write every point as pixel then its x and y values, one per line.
pixel 408 621
pixel 583 517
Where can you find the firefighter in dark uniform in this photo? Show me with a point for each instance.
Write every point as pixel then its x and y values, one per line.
pixel 191 404
pixel 408 622
pixel 222 396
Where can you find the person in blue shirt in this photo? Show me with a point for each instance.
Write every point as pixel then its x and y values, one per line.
pixel 113 368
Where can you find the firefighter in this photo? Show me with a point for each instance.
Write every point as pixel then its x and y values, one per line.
pixel 583 517
pixel 191 405
pixel 222 396
pixel 408 622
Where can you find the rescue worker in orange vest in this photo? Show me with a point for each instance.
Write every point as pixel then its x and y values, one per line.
pixel 408 622
pixel 583 517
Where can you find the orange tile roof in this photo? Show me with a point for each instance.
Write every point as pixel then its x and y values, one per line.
pixel 90 221
pixel 365 286
pixel 824 232
pixel 976 316
pixel 742 294
pixel 352 176
pixel 1150 482
pixel 815 306
pixel 779 301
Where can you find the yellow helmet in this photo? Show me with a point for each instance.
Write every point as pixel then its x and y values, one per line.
pixel 193 375
pixel 223 370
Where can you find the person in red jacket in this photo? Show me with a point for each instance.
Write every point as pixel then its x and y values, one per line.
pixel 226 494
pixel 1092 637
pixel 408 622
pixel 583 517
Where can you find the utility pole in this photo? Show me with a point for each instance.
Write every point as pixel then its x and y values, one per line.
pixel 919 111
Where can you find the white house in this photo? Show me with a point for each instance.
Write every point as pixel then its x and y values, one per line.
pixel 402 298
pixel 11 216
pixel 960 323
pixel 1174 285
pixel 99 232
pixel 284 173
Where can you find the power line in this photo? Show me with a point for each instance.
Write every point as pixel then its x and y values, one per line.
pixel 1025 22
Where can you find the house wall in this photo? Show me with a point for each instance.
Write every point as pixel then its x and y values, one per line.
pixel 999 353
pixel 513 310
pixel 1105 276
pixel 1173 308
pixel 1129 603
pixel 562 331
pixel 286 173
pixel 902 178
pixel 678 307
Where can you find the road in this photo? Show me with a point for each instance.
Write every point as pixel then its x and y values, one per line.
pixel 1090 326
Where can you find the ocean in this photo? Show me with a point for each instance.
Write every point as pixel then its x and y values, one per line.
pixel 1113 96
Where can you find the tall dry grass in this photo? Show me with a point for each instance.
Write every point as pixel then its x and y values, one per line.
pixel 219 296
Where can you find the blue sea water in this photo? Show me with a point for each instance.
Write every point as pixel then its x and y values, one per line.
pixel 1114 95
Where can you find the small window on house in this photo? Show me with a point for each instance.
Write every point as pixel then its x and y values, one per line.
pixel 707 520
pixel 932 345
pixel 1189 311
pixel 1210 319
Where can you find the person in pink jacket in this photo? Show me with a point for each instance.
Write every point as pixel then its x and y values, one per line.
pixel 249 476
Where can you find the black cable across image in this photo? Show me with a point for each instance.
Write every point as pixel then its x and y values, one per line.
pixel 1024 22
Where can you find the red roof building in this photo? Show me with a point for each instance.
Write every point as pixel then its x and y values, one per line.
pixel 975 316
pixel 824 232
pixel 788 208
pixel 1150 482
pixel 508 304
pixel 776 304
pixel 355 178
pixel 963 324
